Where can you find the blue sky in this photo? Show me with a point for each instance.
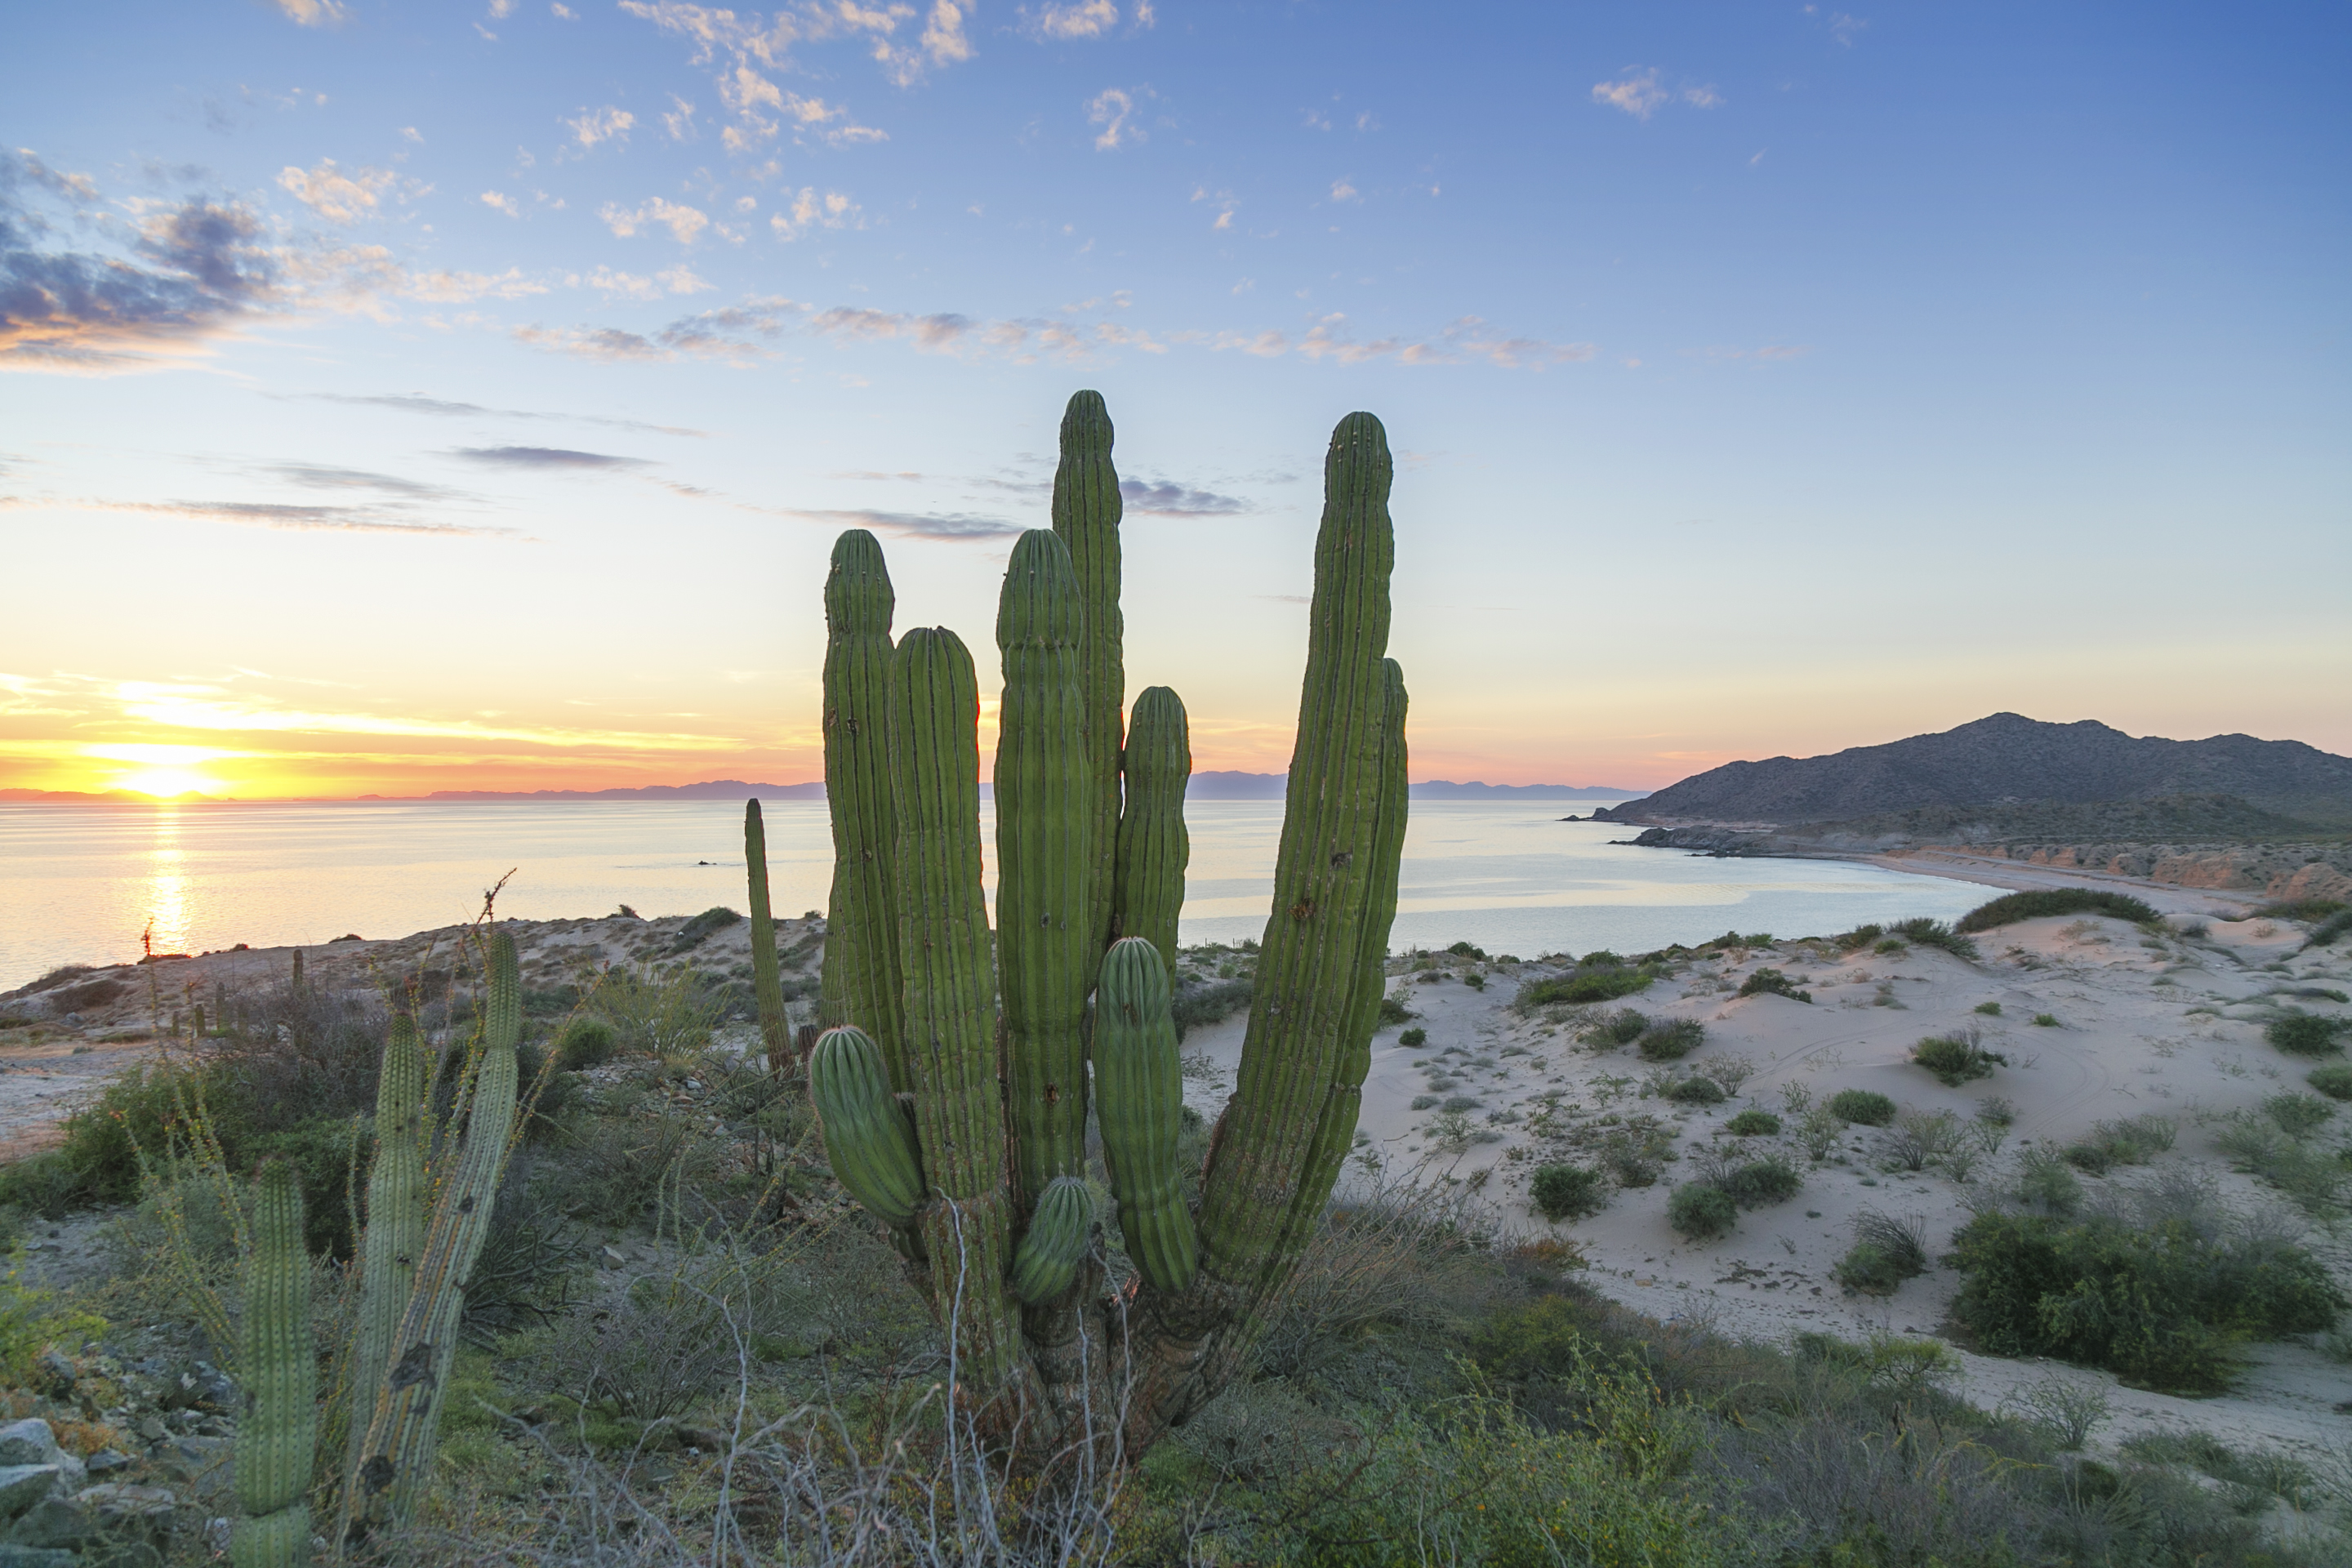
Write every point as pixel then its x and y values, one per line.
pixel 434 396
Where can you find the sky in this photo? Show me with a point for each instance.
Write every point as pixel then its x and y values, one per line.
pixel 421 396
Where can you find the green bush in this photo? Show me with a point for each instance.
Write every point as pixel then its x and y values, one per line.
pixel 2304 910
pixel 2334 926
pixel 2133 1141
pixel 2162 1301
pixel 1867 1107
pixel 1859 938
pixel 1605 983
pixel 1699 1212
pixel 1753 1124
pixel 702 928
pixel 1196 1006
pixel 1393 1011
pixel 1671 1039
pixel 1989 1009
pixel 1621 1028
pixel 1464 950
pixel 1772 982
pixel 2297 1115
pixel 1568 1191
pixel 1867 1267
pixel 2334 1080
pixel 2045 1020
pixel 1925 933
pixel 585 1041
pixel 1475 981
pixel 2014 907
pixel 1697 1091
pixel 2304 1035
pixel 1956 1059
pixel 1770 1179
pixel 1413 1038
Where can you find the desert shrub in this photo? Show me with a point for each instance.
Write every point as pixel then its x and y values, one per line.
pixel 1401 1255
pixel 1728 1072
pixel 1464 950
pixel 1697 1091
pixel 2334 1080
pixel 1414 1039
pixel 1475 981
pixel 1924 1135
pixel 2330 928
pixel 1866 1268
pixel 1867 1107
pixel 2314 1178
pixel 1670 1039
pixel 1994 1110
pixel 1621 1027
pixel 1860 937
pixel 2297 1115
pixel 2163 1301
pixel 1989 1009
pixel 1753 1124
pixel 2305 1034
pixel 529 1258
pixel 1605 983
pixel 1698 1212
pixel 2069 1412
pixel 585 1041
pixel 1898 1242
pixel 1568 1191
pixel 2014 907
pixel 2045 1180
pixel 1819 1131
pixel 2305 911
pixel 2253 1480
pixel 657 1014
pixel 1955 1058
pixel 1197 1006
pixel 1463 1102
pixel 2045 1020
pixel 1770 1179
pixel 2132 1141
pixel 1927 933
pixel 1772 982
pixel 1393 1011
pixel 703 927
pixel 671 1338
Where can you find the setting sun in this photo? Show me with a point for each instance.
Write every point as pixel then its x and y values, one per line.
pixel 167 783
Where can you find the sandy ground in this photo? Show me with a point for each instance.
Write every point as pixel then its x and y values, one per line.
pixel 2169 1025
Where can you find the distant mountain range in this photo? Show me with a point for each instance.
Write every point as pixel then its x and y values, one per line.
pixel 2008 759
pixel 1211 785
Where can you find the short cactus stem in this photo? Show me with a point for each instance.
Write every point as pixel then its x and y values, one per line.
pixel 866 1136
pixel 1139 1104
pixel 276 1435
pixel 1055 1244
pixel 1154 846
pixel 767 985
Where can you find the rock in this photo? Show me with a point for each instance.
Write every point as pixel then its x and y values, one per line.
pixel 189 1458
pixel 615 1259
pixel 129 1527
pixel 30 1442
pixel 152 1429
pixel 107 1461
pixel 14 1556
pixel 54 1362
pixel 22 1486
pixel 53 1522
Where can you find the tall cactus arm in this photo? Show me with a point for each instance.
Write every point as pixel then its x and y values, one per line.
pixel 1308 970
pixel 275 1435
pixel 767 985
pixel 1154 846
pixel 861 983
pixel 394 1237
pixel 397 1465
pixel 1086 509
pixel 949 996
pixel 1045 950
pixel 1139 1102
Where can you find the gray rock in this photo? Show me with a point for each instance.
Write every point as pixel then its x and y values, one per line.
pixel 53 1522
pixel 22 1486
pixel 54 1362
pixel 106 1461
pixel 188 1458
pixel 28 1442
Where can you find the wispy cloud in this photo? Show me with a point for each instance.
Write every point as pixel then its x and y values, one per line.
pixel 318 476
pixel 312 13
pixel 273 515
pixel 1165 499
pixel 684 223
pixel 746 48
pixel 544 458
pixel 499 200
pixel 1842 28
pixel 910 524
pixel 808 210
pixel 1112 108
pixel 1465 340
pixel 1072 19
pixel 591 126
pixel 446 408
pixel 336 196
pixel 1641 93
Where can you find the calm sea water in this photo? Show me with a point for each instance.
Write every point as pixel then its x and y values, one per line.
pixel 79 884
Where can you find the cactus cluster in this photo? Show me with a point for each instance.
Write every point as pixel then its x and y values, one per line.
pixel 955 1082
pixel 426 1226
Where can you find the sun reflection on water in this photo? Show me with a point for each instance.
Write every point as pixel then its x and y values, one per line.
pixel 167 885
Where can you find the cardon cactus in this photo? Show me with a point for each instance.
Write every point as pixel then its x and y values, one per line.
pixel 866 1132
pixel 277 1440
pixel 999 1118
pixel 767 985
pixel 1141 1086
pixel 1048 1257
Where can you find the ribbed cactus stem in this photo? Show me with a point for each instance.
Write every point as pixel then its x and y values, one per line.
pixel 1335 1131
pixel 394 1237
pixel 866 1136
pixel 767 983
pixel 398 1463
pixel 1086 509
pixel 950 995
pixel 1046 951
pixel 1140 1103
pixel 861 982
pixel 277 1433
pixel 1308 971
pixel 1154 846
pixel 1055 1243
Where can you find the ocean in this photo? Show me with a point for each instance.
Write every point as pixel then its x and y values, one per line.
pixel 83 884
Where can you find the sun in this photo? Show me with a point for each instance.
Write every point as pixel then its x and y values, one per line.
pixel 166 783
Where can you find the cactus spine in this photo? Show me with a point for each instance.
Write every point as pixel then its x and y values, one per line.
pixel 766 985
pixel 1046 950
pixel 277 1438
pixel 949 991
pixel 860 983
pixel 1154 846
pixel 1310 964
pixel 1139 1099
pixel 398 1448
pixel 865 1133
pixel 1055 1244
pixel 1087 511
pixel 395 1216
